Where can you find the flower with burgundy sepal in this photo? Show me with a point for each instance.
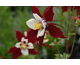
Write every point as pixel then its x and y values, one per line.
pixel 22 47
pixel 39 25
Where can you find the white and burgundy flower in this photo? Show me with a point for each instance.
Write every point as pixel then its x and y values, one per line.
pixel 24 46
pixel 39 24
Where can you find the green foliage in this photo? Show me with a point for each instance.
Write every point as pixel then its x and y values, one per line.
pixel 63 56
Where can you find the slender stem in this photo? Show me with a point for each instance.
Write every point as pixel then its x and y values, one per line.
pixel 60 20
pixel 72 20
pixel 55 45
pixel 57 48
pixel 63 30
pixel 67 36
pixel 68 30
pixel 61 24
pixel 73 43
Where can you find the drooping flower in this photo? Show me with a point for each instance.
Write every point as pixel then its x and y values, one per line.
pixel 22 47
pixel 39 25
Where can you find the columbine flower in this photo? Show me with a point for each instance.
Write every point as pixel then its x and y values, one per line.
pixel 22 47
pixel 39 25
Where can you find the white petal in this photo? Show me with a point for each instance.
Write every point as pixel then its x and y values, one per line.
pixel 23 39
pixel 44 23
pixel 24 52
pixel 30 46
pixel 18 45
pixel 25 33
pixel 31 23
pixel 44 41
pixel 40 33
pixel 37 17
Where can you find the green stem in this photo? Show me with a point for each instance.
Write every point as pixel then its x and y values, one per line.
pixel 73 43
pixel 60 20
pixel 68 30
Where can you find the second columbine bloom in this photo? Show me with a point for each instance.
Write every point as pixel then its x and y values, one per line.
pixel 24 45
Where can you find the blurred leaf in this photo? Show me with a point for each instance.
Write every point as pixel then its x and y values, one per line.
pixel 63 56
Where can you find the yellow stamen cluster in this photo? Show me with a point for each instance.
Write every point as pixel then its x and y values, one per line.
pixel 23 46
pixel 38 25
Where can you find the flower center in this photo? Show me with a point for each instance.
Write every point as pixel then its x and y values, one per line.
pixel 38 25
pixel 23 45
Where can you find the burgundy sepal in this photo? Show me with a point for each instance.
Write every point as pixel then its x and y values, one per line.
pixel 55 32
pixel 65 8
pixel 41 40
pixel 15 52
pixel 36 43
pixel 36 10
pixel 32 39
pixel 48 13
pixel 32 33
pixel 19 35
pixel 33 51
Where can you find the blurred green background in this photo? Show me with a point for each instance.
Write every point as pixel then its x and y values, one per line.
pixel 15 17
